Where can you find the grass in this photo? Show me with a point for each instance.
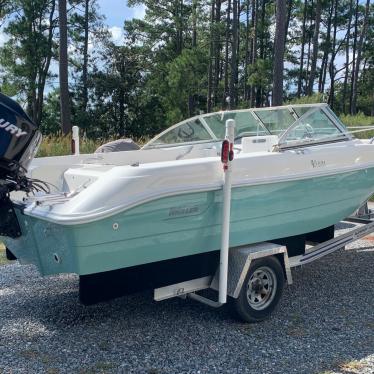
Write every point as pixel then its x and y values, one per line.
pixel 3 259
pixel 352 366
pixel 61 146
pixel 58 145
pixel 358 121
pixel 349 367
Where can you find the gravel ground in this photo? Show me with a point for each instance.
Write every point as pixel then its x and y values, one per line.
pixel 324 324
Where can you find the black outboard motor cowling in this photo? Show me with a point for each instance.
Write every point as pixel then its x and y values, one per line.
pixel 19 141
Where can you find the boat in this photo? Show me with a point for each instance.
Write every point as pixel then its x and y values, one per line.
pixel 296 172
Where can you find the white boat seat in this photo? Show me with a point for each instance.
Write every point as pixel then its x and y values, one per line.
pixel 264 143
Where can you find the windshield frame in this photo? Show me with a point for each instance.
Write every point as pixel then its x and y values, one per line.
pixel 151 145
pixel 344 133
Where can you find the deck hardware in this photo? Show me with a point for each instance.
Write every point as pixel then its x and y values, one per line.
pixel 115 226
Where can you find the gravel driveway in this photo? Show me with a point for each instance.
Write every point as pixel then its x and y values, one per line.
pixel 325 324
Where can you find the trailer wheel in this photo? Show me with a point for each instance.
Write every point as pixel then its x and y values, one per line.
pixel 261 290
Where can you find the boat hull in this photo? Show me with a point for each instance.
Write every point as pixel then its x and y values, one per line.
pixel 189 224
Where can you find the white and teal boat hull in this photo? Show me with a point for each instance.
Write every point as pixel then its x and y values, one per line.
pixel 190 223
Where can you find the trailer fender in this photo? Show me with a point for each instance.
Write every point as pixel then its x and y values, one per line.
pixel 240 259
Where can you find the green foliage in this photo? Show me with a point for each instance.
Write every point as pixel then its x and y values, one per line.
pixel 61 146
pixel 25 58
pixel 260 74
pixel 359 119
pixel 186 78
pixel 3 259
pixel 58 145
pixel 51 114
pixel 313 99
pixel 117 92
pixel 159 75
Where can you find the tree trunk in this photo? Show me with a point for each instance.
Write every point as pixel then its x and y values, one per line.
pixel 63 69
pixel 333 55
pixel 211 54
pixel 254 46
pixel 226 73
pixel 345 84
pixel 179 26
pixel 280 35
pixel 309 49
pixel 259 96
pixel 313 65
pixel 234 46
pixel 289 12
pixel 326 52
pixel 237 55
pixel 301 70
pixel 247 48
pixel 194 23
pixel 217 51
pixel 354 56
pixel 44 69
pixel 85 57
pixel 359 55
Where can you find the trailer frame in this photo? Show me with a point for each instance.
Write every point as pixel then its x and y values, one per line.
pixel 241 258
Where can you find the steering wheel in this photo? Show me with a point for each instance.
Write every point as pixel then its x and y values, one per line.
pixel 308 130
pixel 186 131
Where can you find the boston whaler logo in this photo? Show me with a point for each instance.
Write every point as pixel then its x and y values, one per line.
pixel 13 129
pixel 183 211
pixel 318 163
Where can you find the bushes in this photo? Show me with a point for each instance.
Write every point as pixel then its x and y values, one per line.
pixel 357 121
pixel 61 146
pixel 58 145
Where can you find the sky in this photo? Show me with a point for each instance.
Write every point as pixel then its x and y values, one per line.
pixel 116 12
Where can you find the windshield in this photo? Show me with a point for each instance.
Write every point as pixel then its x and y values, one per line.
pixel 314 126
pixel 245 124
pixel 187 132
pixel 292 124
pixel 276 120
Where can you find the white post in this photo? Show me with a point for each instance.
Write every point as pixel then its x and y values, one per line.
pixel 227 169
pixel 75 138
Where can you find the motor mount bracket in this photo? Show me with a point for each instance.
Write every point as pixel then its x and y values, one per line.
pixel 9 225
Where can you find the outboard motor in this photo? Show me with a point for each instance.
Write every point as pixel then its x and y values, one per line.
pixel 19 142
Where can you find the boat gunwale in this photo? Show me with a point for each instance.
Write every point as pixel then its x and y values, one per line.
pixel 71 220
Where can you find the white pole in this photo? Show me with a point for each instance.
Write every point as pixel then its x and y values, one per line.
pixel 225 238
pixel 75 137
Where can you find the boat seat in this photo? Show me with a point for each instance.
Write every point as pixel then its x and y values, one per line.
pixel 264 143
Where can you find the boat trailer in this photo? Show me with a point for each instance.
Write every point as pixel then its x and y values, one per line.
pixel 253 275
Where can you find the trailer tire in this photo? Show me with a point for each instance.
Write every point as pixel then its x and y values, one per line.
pixel 261 290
